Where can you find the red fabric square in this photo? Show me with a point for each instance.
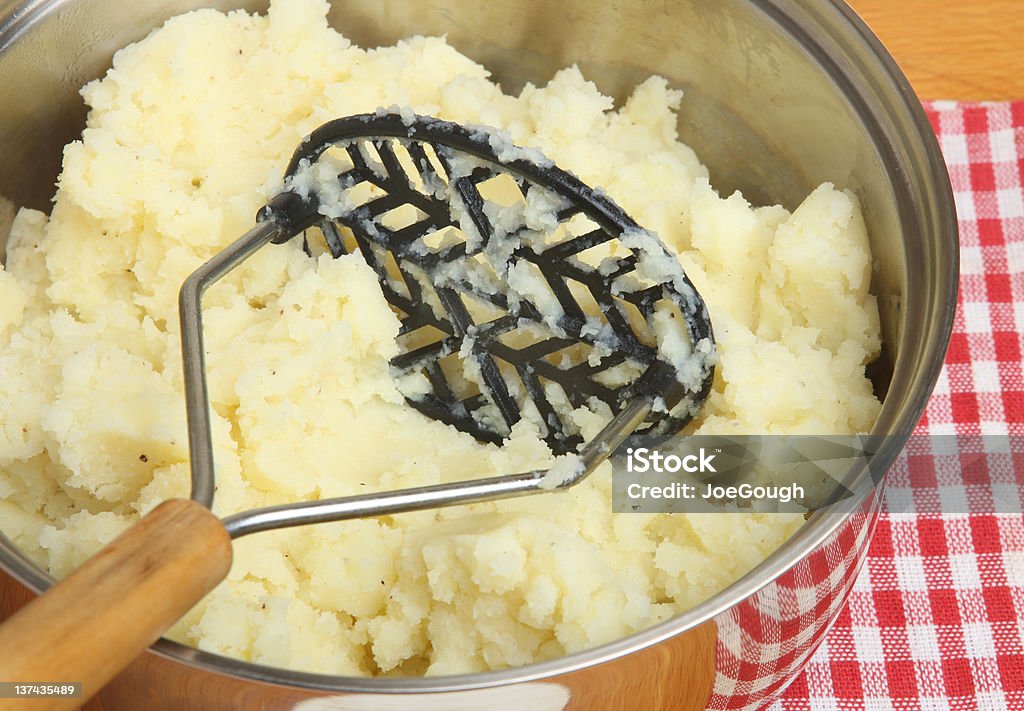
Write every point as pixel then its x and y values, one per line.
pixel 1007 346
pixel 999 605
pixel 902 679
pixel 990 231
pixel 799 688
pixel 983 177
pixel 1013 406
pixel 921 471
pixel 958 352
pixel 965 407
pixel 975 119
pixel 932 535
pixel 1017 112
pixel 985 534
pixel 944 606
pixel 999 288
pixel 889 608
pixel 958 677
pixel 974 468
pixel 1011 671
pixel 846 679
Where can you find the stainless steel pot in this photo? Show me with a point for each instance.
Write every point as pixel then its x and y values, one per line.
pixel 780 95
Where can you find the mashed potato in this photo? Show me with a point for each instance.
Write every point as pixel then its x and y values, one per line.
pixel 187 136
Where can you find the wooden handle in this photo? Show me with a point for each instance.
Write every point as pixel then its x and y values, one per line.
pixel 92 624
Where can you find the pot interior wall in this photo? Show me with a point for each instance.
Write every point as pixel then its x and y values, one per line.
pixel 763 117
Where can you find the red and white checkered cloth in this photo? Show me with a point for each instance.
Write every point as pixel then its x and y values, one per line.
pixel 936 618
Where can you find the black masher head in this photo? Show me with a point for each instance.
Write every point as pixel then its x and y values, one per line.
pixel 521 292
pixel 518 287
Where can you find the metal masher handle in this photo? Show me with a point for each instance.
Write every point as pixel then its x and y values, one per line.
pixel 288 221
pixel 431 497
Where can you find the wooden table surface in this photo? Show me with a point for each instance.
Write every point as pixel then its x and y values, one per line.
pixel 953 49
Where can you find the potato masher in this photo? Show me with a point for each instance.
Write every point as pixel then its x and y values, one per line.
pixel 532 305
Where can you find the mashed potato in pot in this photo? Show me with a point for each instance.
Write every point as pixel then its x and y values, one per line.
pixel 187 136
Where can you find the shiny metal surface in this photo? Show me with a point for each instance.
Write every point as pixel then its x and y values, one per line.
pixel 385 503
pixel 780 95
pixel 193 354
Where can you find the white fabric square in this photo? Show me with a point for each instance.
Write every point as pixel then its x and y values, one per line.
pixel 1014 259
pixel 978 641
pixel 868 643
pixel 954 148
pixel 899 499
pixel 964 571
pixel 942 428
pixel 986 376
pixel 1018 314
pixel 821 703
pixel 964 201
pixel 1003 145
pixel 942 383
pixel 953 500
pixel 910 573
pixel 994 428
pixel 1014 562
pixel 924 643
pixel 1011 202
pixel 977 318
pixel 992 701
pixel 862 583
pixel 1006 500
pixel 971 260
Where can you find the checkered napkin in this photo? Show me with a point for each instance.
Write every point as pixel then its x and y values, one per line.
pixel 936 618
